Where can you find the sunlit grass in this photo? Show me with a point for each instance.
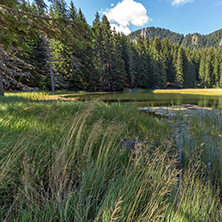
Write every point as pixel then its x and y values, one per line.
pixel 27 95
pixel 207 92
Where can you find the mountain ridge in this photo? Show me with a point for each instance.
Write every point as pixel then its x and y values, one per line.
pixel 195 40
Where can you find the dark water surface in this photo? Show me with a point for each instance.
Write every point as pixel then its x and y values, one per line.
pixel 155 99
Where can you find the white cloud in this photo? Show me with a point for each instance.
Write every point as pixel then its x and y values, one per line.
pixel 121 29
pixel 112 5
pixel 181 2
pixel 128 12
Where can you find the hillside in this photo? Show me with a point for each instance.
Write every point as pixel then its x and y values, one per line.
pixel 152 32
pixel 195 40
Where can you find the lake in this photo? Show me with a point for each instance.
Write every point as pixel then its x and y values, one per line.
pixel 153 99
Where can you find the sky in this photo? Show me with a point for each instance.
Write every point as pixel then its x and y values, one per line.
pixel 181 16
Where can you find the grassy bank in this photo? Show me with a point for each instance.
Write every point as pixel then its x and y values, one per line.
pixel 207 92
pixel 75 96
pixel 202 97
pixel 62 161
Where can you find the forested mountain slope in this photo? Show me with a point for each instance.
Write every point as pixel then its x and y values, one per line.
pixel 153 32
pixel 195 40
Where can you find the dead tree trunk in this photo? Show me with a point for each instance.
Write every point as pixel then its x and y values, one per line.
pixel 1 86
pixel 50 66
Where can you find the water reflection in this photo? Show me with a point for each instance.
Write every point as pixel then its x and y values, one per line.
pixel 151 99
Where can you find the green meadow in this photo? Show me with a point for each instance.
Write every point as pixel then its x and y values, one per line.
pixel 63 161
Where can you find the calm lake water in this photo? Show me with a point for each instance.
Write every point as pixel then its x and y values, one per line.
pixel 154 99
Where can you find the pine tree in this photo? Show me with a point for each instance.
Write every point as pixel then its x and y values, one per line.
pixel 124 48
pixel 208 71
pixel 179 82
pixel 156 74
pixel 85 54
pixel 135 64
pixel 191 76
pixel 148 64
pixel 220 73
pixel 202 69
pixel 40 6
pixel 216 70
pixel 97 39
pixel 188 72
pixel 174 53
pixel 142 77
pixel 40 53
pixel 81 16
pixel 157 44
pixel 72 13
pixel 106 51
pixel 117 71
pixel 195 58
pixel 167 60
pixel 131 73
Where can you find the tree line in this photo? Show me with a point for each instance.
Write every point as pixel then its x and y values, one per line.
pixel 55 48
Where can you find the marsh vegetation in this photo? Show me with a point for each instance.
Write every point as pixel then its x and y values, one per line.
pixel 62 161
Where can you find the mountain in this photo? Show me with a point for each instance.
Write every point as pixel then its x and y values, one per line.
pixel 203 41
pixel 195 40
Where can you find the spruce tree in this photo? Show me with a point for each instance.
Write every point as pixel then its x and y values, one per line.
pixel 106 51
pixel 40 6
pixel 191 76
pixel 202 69
pixel 142 77
pixel 135 61
pixel 179 81
pixel 98 52
pixel 220 73
pixel 156 74
pixel 157 44
pixel 117 71
pixel 208 71
pixel 148 63
pixel 216 69
pixel 131 73
pixel 167 60
pixel 72 13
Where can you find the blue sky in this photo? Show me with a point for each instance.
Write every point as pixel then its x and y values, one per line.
pixel 182 16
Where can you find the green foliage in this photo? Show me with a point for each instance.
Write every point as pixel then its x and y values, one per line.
pixel 63 162
pixel 66 53
pixel 180 68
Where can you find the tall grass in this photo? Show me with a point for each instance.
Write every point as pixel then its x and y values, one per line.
pixel 202 135
pixel 63 162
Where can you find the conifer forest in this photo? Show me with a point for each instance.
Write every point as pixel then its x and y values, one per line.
pixel 55 49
